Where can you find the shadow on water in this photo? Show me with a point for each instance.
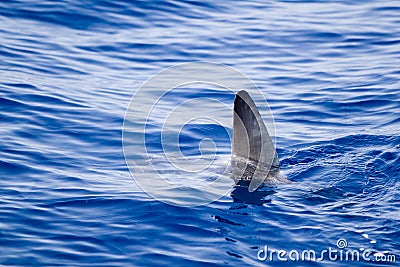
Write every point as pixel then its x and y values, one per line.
pixel 241 194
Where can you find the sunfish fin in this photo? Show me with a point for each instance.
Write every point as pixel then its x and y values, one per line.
pixel 251 140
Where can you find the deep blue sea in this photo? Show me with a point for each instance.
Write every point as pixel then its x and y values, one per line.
pixel 330 71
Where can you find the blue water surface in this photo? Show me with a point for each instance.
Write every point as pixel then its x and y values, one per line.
pixel 329 69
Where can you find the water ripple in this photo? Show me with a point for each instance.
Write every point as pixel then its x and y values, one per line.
pixel 330 73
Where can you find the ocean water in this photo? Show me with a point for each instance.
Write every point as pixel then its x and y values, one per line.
pixel 330 71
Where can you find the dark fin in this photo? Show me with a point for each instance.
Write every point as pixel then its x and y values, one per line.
pixel 251 140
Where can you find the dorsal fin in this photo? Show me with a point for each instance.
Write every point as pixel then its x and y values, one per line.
pixel 250 136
